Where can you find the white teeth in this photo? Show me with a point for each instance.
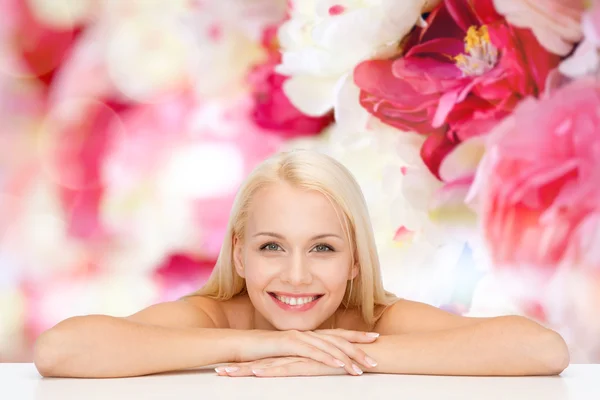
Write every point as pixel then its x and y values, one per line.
pixel 294 301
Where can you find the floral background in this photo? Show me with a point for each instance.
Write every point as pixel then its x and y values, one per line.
pixel 473 128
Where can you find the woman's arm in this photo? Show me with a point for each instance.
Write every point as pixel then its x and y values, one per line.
pixel 178 335
pixel 421 339
pixel 163 337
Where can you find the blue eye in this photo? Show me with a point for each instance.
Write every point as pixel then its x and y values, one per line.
pixel 270 247
pixel 323 248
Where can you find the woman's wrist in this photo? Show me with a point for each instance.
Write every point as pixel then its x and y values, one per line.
pixel 244 345
pixel 224 345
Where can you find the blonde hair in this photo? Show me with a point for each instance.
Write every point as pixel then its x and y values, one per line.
pixel 314 171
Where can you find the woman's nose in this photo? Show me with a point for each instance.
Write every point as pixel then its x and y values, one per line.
pixel 297 271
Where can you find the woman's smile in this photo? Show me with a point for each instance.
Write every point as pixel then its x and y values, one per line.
pixel 295 302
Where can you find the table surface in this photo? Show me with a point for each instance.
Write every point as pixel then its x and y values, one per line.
pixel 578 381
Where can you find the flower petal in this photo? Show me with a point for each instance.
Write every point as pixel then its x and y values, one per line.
pixel 376 78
pixel 441 24
pixel 446 104
pixel 435 148
pixel 448 205
pixel 311 95
pixel 555 23
pixel 544 61
pixel 444 47
pixel 584 60
pixel 462 14
pixel 348 112
pixel 463 160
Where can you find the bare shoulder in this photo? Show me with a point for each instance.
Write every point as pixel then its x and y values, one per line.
pixel 190 312
pixel 407 316
pixel 351 319
pixel 215 309
pixel 235 313
pixel 239 312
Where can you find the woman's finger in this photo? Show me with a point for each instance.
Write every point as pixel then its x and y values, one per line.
pixel 294 343
pixel 340 358
pixel 350 349
pixel 245 369
pixel 235 370
pixel 299 368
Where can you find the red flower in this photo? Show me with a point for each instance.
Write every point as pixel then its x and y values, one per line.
pixel 457 77
pixel 272 109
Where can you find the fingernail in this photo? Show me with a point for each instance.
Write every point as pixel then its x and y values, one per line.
pixel 356 369
pixel 372 334
pixel 370 361
pixel 220 369
pixel 338 362
pixel 231 369
pixel 257 371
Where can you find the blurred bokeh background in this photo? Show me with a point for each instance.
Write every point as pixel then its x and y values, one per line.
pixel 126 127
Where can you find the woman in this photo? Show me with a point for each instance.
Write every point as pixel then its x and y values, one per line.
pixel 297 290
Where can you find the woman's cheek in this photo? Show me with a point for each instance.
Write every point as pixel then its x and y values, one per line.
pixel 333 276
pixel 261 268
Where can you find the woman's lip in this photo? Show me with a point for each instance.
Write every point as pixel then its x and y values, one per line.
pixel 296 295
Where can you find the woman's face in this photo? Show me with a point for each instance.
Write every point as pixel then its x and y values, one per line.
pixel 295 257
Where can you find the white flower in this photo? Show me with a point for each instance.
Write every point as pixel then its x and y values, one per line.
pixel 153 50
pixel 250 17
pixel 554 23
pixel 585 60
pixel 149 55
pixel 324 40
pixel 63 14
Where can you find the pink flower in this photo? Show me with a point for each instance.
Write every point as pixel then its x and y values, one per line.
pixel 40 48
pixel 273 110
pixel 74 152
pixel 456 78
pixel 181 274
pixel 555 23
pixel 538 185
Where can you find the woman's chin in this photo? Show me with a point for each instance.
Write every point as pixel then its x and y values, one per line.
pixel 296 324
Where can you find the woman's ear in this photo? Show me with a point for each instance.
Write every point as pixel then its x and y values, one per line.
pixel 354 271
pixel 237 256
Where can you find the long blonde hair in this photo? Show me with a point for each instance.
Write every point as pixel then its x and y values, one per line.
pixel 316 171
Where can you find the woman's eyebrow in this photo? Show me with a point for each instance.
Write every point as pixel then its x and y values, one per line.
pixel 279 236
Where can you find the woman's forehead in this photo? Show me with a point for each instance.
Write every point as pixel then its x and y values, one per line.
pixel 283 206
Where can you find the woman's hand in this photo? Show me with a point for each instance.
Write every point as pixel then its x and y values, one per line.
pixel 332 347
pixel 280 366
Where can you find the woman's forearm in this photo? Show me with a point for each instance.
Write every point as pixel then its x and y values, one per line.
pixel 99 346
pixel 501 346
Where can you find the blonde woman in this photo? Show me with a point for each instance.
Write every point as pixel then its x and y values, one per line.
pixel 297 290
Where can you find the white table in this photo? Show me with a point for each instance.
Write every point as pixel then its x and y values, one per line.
pixel 22 382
